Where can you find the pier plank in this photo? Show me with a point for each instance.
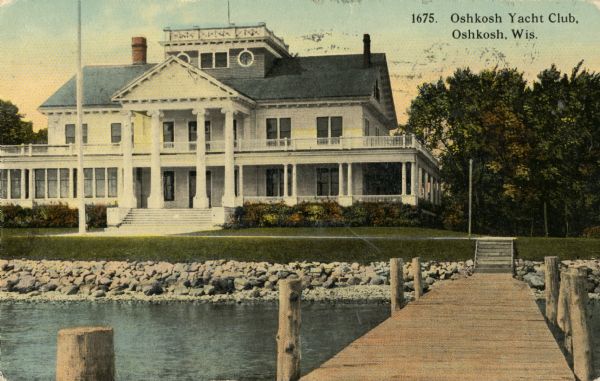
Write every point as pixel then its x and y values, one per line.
pixel 486 327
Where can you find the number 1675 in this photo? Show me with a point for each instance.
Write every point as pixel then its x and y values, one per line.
pixel 423 18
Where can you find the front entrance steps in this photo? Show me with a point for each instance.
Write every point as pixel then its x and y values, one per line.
pixel 164 222
pixel 494 255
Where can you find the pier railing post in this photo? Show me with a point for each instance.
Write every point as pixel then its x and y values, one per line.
pixel 288 335
pixel 417 279
pixel 563 316
pixel 582 340
pixel 396 284
pixel 85 353
pixel 551 291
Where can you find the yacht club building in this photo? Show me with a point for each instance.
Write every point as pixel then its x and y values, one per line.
pixel 230 116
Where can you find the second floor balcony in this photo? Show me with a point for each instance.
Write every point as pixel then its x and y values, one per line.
pixel 218 146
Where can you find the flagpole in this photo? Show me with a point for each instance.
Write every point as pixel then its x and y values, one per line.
pixel 80 176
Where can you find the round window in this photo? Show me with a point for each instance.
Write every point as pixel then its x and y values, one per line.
pixel 246 58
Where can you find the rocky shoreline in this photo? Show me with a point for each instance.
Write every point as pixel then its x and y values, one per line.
pixel 217 281
pixel 223 281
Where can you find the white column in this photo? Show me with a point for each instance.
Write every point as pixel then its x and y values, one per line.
pixel 126 199
pixel 228 199
pixel 241 183
pixel 156 198
pixel 31 185
pixel 200 199
pixel 349 190
pixel 23 179
pixel 431 188
pixel 341 180
pixel 419 181
pixel 285 180
pixel 294 180
pixel 8 186
pixel 403 178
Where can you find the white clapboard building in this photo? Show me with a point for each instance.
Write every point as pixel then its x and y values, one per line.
pixel 229 117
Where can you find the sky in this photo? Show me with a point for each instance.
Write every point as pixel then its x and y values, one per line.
pixel 38 37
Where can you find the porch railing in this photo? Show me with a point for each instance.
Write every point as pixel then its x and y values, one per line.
pixel 59 150
pixel 263 199
pixel 217 146
pixel 317 198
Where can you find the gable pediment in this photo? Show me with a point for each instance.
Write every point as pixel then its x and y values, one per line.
pixel 174 79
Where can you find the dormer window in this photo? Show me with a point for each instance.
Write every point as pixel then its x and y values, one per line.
pixel 376 92
pixel 214 60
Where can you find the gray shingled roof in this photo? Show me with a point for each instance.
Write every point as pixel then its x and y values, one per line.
pixel 312 77
pixel 99 85
pixel 290 78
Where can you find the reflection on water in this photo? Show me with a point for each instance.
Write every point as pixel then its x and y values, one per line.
pixel 178 341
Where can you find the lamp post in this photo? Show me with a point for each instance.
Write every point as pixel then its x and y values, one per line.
pixel 80 179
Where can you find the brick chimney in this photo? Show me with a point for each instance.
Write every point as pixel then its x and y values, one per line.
pixel 138 50
pixel 366 51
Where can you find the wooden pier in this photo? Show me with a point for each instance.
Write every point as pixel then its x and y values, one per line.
pixel 486 327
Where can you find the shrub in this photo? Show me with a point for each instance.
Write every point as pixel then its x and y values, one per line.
pixel 332 214
pixel 592 232
pixel 51 216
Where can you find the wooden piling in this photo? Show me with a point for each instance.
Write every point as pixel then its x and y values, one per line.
pixel 417 279
pixel 582 342
pixel 85 353
pixel 396 284
pixel 551 291
pixel 563 316
pixel 288 335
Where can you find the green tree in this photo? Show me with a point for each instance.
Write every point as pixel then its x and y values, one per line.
pixel 536 148
pixel 15 130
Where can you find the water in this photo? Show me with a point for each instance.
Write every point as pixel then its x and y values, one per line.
pixel 178 341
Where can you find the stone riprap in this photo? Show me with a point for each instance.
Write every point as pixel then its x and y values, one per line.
pixel 533 272
pixel 210 281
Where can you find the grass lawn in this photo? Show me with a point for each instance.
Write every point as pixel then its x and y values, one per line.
pixel 341 231
pixel 388 242
pixel 254 245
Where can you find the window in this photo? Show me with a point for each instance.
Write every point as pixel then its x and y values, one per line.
pixel 40 183
pixel 279 128
pixel 221 59
pixel 88 182
pixel 115 132
pixel 15 183
pixel 206 60
pixel 275 182
pixel 327 181
pixel 207 131
pixel 3 183
pixel 27 183
pixel 168 132
pixel 271 128
pixel 52 175
pixel 285 128
pixel 74 182
pixel 64 182
pixel 329 129
pixel 245 58
pixel 192 132
pixel 235 131
pixel 214 60
pixel 169 185
pixel 100 175
pixel 366 128
pixel 70 134
pixel 336 126
pixel 113 182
